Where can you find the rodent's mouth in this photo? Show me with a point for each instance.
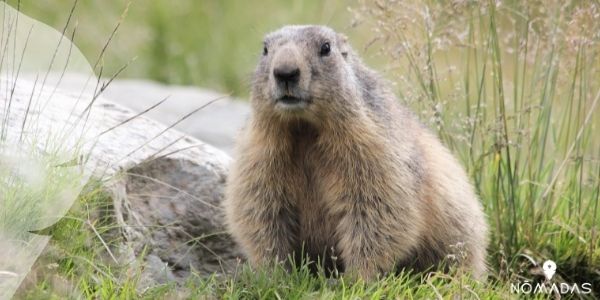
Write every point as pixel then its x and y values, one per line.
pixel 288 102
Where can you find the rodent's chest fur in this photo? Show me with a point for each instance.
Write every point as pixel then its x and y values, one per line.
pixel 316 224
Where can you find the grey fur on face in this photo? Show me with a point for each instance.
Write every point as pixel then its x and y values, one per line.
pixel 299 51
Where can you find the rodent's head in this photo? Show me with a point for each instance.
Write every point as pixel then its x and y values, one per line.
pixel 302 68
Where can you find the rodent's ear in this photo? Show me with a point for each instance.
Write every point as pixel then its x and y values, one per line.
pixel 342 41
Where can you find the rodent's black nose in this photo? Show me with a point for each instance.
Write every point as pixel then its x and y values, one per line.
pixel 287 74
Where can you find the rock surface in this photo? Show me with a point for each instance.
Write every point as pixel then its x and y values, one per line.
pixel 173 206
pixel 217 124
pixel 166 186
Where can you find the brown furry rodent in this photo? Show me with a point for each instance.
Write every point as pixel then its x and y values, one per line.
pixel 331 164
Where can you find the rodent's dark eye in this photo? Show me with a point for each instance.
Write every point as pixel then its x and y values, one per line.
pixel 325 49
pixel 265 50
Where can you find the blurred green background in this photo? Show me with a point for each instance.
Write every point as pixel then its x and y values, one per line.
pixel 210 43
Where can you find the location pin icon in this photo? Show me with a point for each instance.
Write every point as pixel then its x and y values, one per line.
pixel 549 268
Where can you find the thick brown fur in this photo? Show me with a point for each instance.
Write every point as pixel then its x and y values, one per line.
pixel 348 172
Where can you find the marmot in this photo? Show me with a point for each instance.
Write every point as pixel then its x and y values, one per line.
pixel 330 164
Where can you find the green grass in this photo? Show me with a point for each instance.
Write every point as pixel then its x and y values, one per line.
pixel 73 265
pixel 512 89
pixel 80 268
